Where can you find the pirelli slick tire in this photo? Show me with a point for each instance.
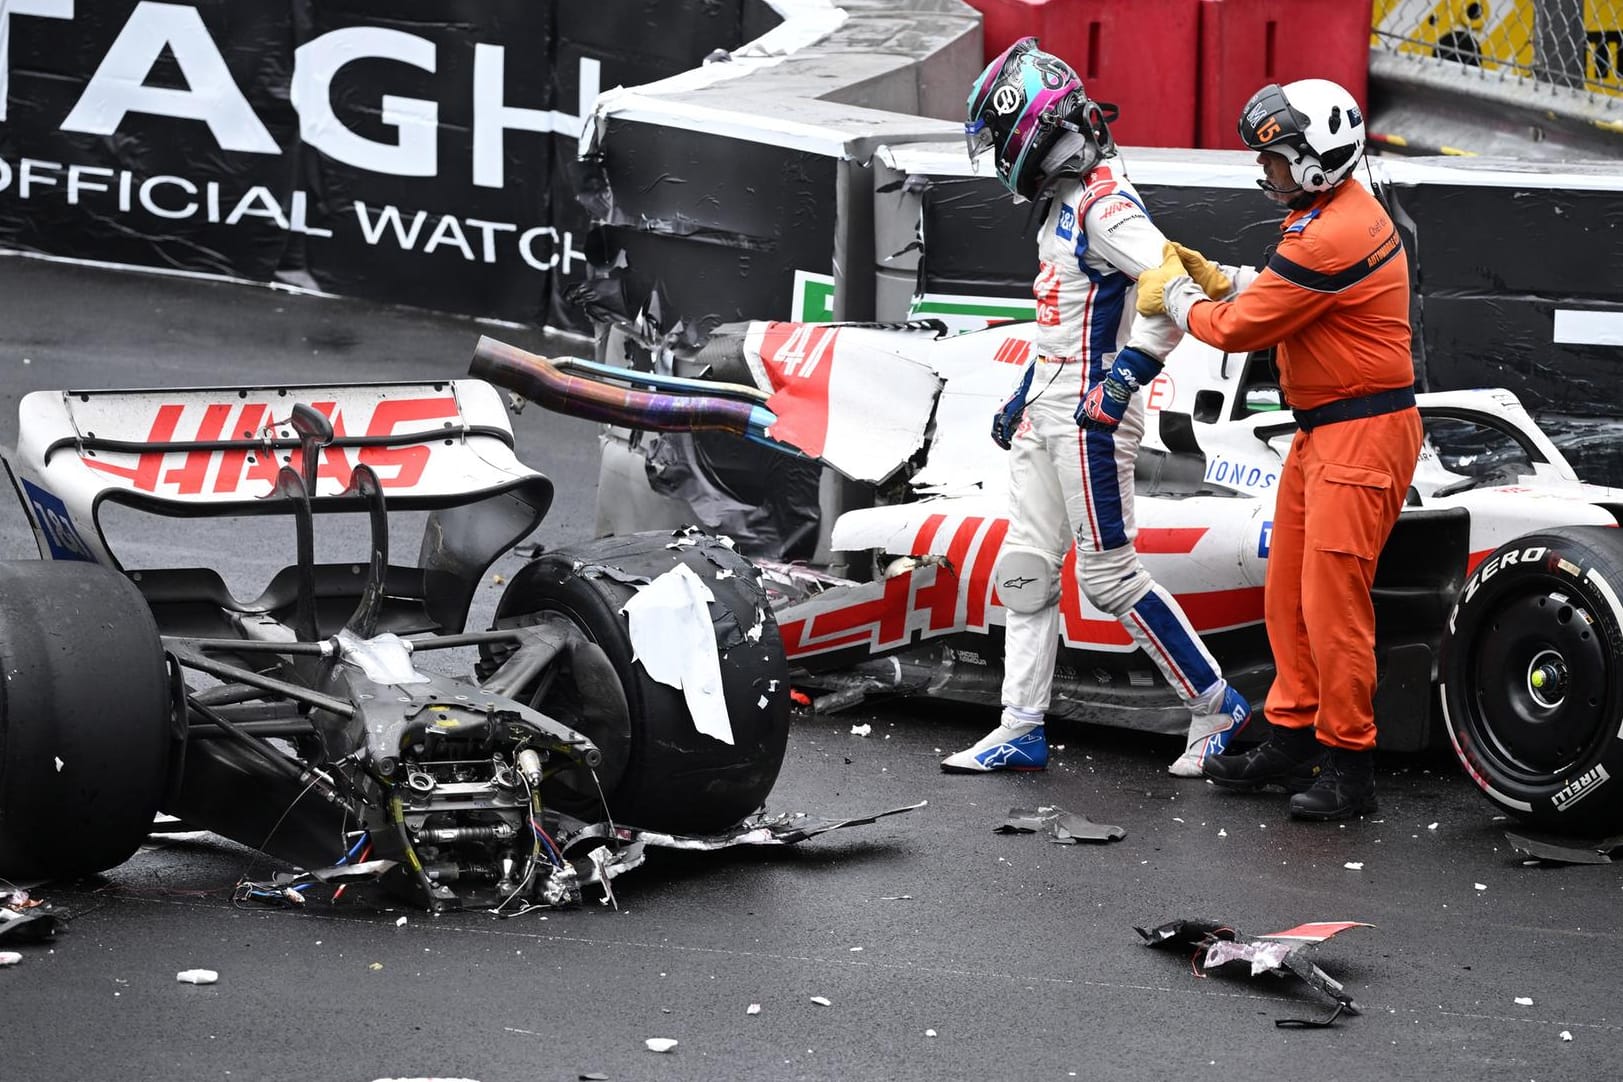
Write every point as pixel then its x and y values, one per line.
pixel 1532 679
pixel 659 772
pixel 84 719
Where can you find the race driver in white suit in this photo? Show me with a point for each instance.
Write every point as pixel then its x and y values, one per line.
pixel 1074 424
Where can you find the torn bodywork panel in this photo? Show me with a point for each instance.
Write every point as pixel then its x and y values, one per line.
pixel 1061 826
pixel 1566 850
pixel 1218 948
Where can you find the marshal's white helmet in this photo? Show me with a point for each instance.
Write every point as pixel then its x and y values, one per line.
pixel 1313 124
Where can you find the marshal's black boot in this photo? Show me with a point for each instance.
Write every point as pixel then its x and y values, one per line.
pixel 1289 758
pixel 1346 788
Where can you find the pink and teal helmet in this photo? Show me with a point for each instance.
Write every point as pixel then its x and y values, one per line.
pixel 1020 106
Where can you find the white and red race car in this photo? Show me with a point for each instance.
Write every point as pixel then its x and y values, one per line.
pixel 1497 598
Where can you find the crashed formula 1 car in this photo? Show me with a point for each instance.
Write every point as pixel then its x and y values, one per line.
pixel 1499 597
pixel 306 723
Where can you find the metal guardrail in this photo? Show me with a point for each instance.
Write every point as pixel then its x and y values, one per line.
pixel 1573 45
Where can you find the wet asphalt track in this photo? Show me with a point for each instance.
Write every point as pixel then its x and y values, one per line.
pixel 1018 954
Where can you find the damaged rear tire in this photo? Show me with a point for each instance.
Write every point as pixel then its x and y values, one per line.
pixel 84 719
pixel 659 772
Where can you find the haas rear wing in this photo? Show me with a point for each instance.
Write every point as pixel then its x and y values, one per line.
pixel 217 451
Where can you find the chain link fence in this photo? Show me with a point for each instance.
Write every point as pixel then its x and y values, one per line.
pixel 1576 45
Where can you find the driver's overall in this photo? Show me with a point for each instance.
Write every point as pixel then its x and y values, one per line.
pixel 1069 485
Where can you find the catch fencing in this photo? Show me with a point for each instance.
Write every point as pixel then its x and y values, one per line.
pixel 1570 45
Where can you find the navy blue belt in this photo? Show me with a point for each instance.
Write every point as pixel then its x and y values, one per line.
pixel 1350 409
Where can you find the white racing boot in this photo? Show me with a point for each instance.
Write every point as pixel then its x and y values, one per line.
pixel 1210 733
pixel 1013 745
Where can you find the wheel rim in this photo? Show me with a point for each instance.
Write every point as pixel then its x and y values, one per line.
pixel 1540 679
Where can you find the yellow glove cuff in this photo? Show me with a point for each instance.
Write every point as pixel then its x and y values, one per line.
pixel 1208 275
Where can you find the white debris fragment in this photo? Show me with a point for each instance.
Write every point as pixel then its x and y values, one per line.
pixel 1480 886
pixel 822 1001
pixel 753 1008
pixel 1222 833
pixel 197 976
pixel 725 573
pixel 861 730
pixel 763 703
pixel 660 1044
pixel 929 1033
pixel 59 764
pixel 1524 1001
pixel 9 958
pixel 1431 826
pixel 671 635
pixel 401 923
pixel 1354 865
pixel 1566 1035
pixel 854 950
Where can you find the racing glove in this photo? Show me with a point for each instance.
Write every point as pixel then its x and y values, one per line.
pixel 1007 418
pixel 1103 407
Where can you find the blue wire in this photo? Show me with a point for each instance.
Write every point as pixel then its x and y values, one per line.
pixel 556 857
pixel 359 845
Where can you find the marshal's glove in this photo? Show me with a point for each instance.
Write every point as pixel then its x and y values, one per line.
pixel 1213 278
pixel 1103 407
pixel 1177 261
pixel 1153 282
pixel 1007 418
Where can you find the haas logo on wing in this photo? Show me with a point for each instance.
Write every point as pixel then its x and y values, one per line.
pixel 399 431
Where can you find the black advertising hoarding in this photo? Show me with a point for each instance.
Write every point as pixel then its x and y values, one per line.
pixel 401 150
pixel 431 151
pixel 131 134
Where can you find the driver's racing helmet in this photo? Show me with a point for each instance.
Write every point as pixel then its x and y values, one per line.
pixel 1029 110
pixel 1314 124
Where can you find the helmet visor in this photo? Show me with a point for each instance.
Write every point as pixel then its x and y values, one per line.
pixel 1270 122
pixel 978 140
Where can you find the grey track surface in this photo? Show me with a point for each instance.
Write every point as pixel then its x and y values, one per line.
pixel 1019 954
